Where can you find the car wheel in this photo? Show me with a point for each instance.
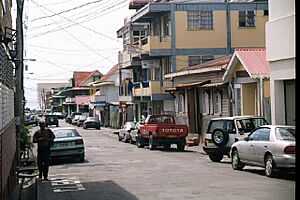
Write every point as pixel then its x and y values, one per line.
pixel 235 161
pixel 139 143
pixel 269 166
pixel 152 145
pixel 81 159
pixel 167 146
pixel 215 157
pixel 180 146
pixel 220 137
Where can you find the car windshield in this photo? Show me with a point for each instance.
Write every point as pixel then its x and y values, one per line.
pixel 64 133
pixel 92 119
pixel 283 133
pixel 248 125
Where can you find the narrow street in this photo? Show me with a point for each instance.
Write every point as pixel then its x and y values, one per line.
pixel 118 170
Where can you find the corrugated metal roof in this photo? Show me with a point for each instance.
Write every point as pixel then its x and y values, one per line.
pixel 254 61
pixel 79 77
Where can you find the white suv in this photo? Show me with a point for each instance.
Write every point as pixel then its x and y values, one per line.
pixel 224 131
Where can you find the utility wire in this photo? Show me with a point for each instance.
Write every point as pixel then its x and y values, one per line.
pixel 65 11
pixel 74 36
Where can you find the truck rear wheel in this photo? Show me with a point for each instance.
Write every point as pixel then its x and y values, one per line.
pixel 180 146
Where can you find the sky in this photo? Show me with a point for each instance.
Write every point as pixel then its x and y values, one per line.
pixel 63 36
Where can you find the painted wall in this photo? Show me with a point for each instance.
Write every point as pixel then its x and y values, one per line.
pixel 248 36
pixel 206 38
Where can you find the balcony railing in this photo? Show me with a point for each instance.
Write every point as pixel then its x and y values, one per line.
pixel 151 87
pixel 156 42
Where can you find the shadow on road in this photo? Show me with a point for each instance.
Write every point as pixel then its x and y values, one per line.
pixel 291 176
pixel 102 190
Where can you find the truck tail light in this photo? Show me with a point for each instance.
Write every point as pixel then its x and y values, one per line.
pixel 78 142
pixel 290 150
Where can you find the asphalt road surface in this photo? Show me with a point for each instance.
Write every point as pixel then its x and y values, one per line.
pixel 116 170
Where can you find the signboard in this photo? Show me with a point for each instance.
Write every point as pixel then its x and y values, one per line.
pixel 146 64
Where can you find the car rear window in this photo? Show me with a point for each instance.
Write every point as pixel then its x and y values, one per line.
pixel 64 133
pixel 285 134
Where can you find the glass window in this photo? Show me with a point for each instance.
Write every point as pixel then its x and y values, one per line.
pixel 285 134
pixel 216 101
pixel 194 60
pixel 247 18
pixel 200 19
pixel 255 135
pixel 264 134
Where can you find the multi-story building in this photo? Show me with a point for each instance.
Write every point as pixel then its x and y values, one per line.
pixel 77 97
pixel 280 47
pixel 8 140
pixel 46 90
pixel 183 33
pixel 104 99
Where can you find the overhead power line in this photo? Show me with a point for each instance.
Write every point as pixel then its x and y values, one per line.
pixel 65 11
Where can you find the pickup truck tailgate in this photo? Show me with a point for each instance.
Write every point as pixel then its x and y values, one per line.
pixel 172 130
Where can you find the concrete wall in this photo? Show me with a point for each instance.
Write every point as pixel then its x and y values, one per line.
pixel 280 46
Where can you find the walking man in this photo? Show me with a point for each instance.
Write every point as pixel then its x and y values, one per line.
pixel 44 138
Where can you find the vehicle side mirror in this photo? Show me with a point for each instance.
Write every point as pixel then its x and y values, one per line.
pixel 247 138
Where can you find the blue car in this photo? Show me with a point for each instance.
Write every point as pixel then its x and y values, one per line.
pixel 68 143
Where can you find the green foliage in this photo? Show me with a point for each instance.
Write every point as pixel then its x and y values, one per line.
pixel 25 139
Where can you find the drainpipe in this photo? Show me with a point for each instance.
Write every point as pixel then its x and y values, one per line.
pixel 261 83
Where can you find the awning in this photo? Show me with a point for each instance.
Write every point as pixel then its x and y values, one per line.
pixel 213 84
pixel 191 85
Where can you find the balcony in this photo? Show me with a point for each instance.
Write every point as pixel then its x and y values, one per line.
pixel 151 87
pixel 126 57
pixel 155 42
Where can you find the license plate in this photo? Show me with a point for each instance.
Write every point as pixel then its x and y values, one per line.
pixel 63 145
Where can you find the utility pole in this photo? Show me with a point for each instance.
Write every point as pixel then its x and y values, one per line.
pixel 19 106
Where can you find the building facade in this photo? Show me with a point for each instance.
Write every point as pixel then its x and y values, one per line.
pixel 178 34
pixel 281 54
pixel 8 150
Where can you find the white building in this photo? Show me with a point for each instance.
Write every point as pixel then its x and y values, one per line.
pixel 280 47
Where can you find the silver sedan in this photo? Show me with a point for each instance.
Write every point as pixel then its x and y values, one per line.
pixel 272 147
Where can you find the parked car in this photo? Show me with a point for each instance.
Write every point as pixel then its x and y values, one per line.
pixel 124 132
pixel 272 147
pixel 51 120
pixel 74 120
pixel 68 143
pixel 81 119
pixel 91 122
pixel 31 119
pixel 134 133
pixel 68 119
pixel 224 131
pixel 71 116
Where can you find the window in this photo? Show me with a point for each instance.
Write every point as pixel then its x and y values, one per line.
pixel 180 103
pixel 255 135
pixel 167 65
pixel 204 102
pixel 264 134
pixel 247 18
pixel 200 19
pixel 216 101
pixel 194 60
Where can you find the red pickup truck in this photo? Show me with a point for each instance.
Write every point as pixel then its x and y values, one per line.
pixel 161 129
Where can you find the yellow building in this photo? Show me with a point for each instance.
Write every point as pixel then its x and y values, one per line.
pixel 180 34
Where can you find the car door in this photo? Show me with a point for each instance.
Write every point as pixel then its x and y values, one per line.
pixel 261 146
pixel 247 148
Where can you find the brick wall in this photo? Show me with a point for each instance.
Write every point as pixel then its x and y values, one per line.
pixel 7 160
